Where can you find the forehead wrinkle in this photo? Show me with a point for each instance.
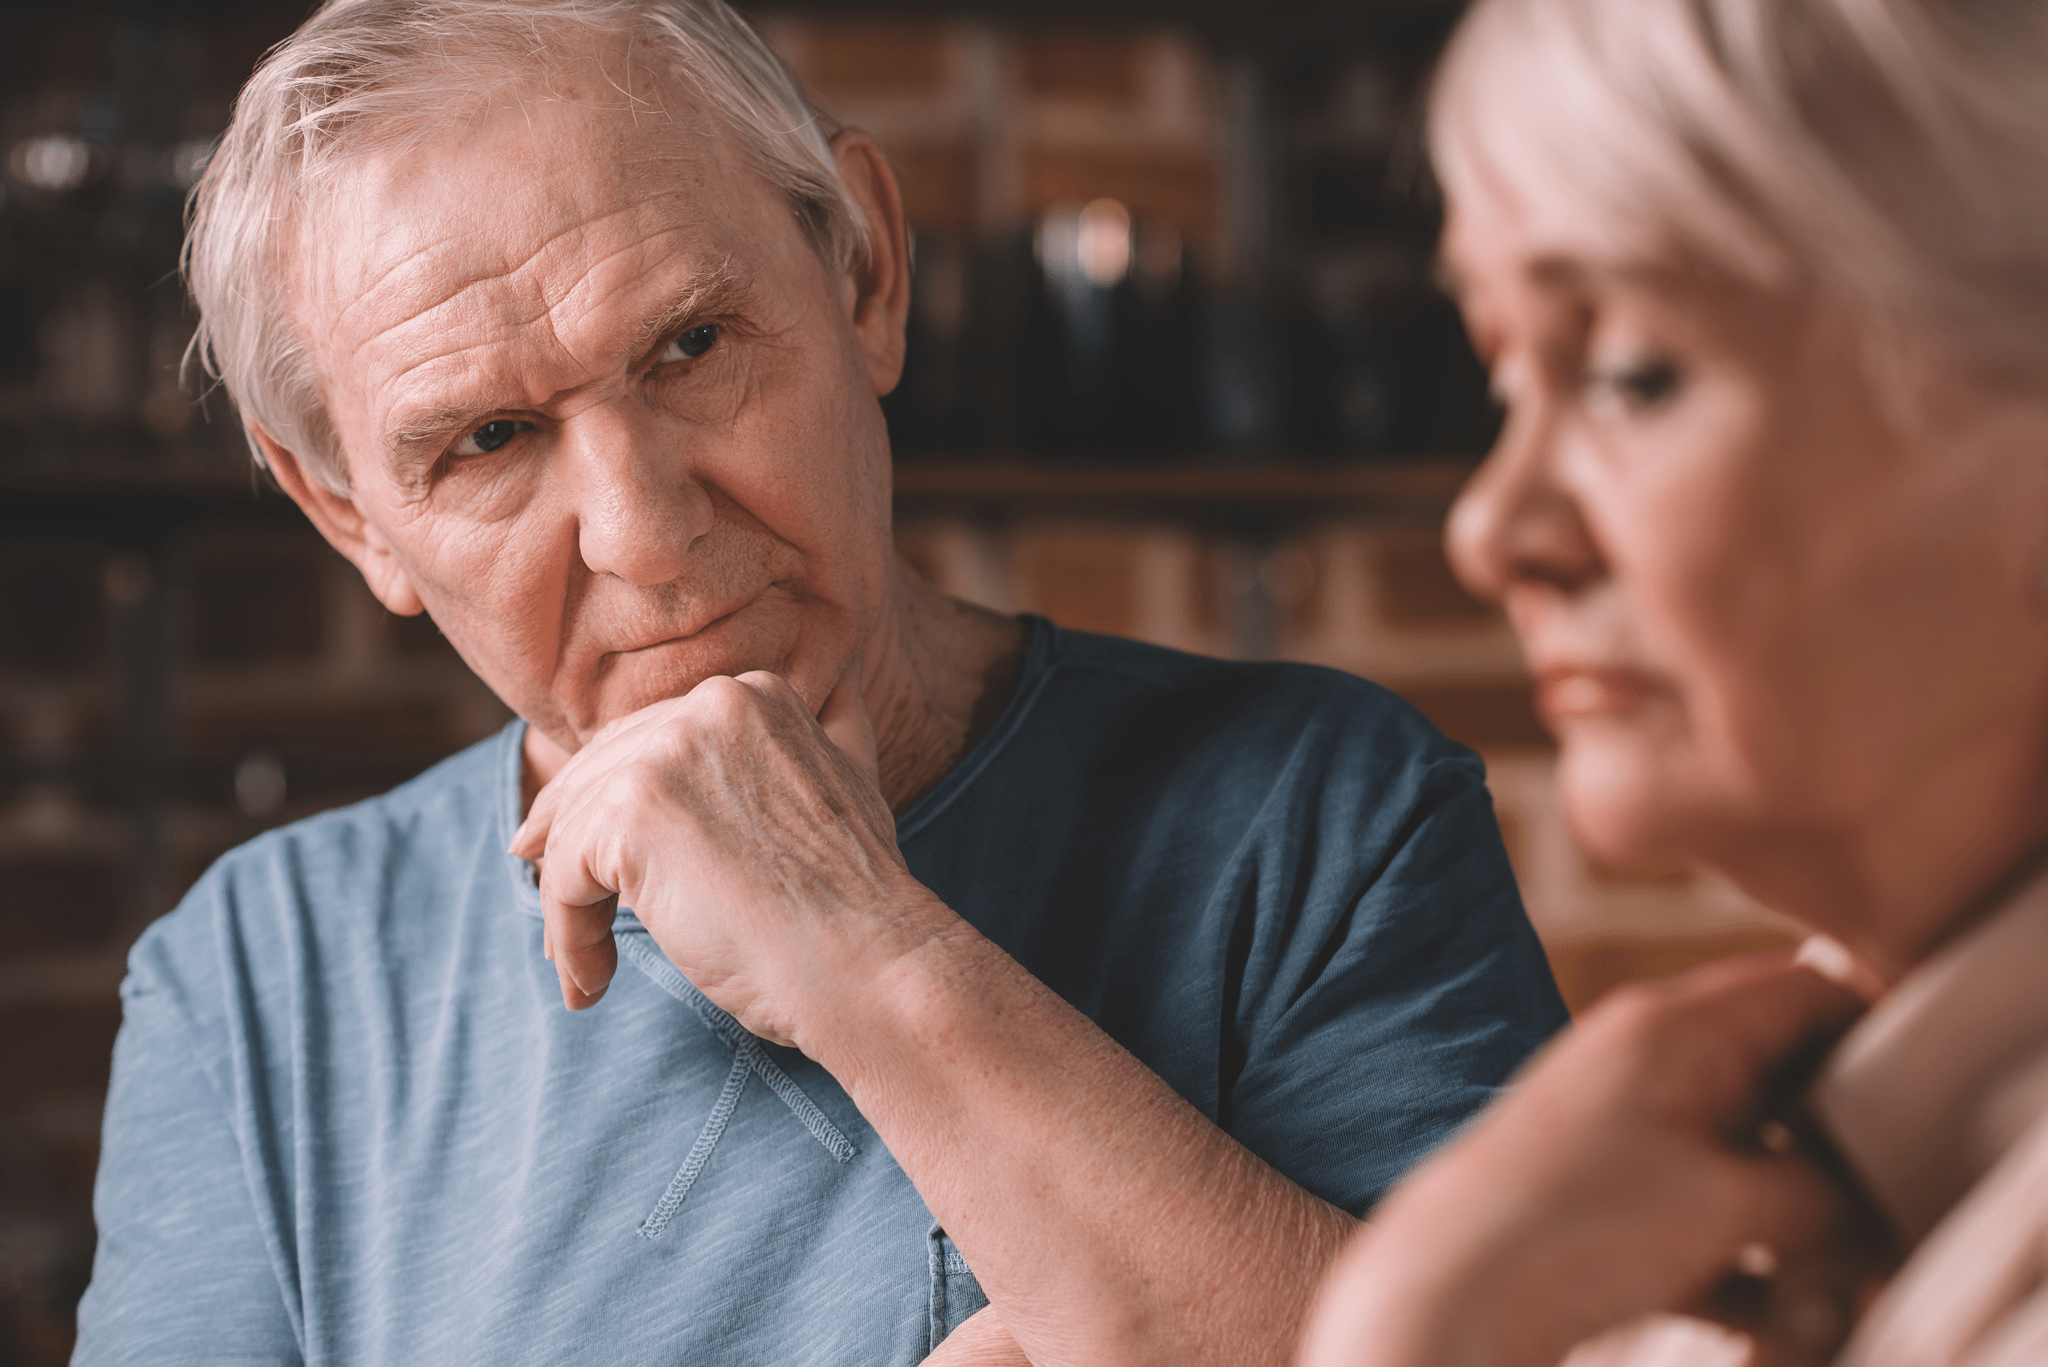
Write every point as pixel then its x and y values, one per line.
pixel 537 299
pixel 523 275
pixel 551 312
pixel 580 224
pixel 716 288
pixel 466 282
pixel 397 190
pixel 426 422
pixel 366 292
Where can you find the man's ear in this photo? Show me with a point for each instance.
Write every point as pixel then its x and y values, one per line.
pixel 880 287
pixel 344 526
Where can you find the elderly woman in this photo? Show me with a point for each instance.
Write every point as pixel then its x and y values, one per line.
pixel 1763 285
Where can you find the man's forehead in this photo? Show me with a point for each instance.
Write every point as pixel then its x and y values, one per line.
pixel 534 233
pixel 532 194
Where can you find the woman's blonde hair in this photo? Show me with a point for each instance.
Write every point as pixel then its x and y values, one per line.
pixel 364 76
pixel 1893 153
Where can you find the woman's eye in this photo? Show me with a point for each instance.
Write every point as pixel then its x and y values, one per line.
pixel 692 344
pixel 1640 387
pixel 491 436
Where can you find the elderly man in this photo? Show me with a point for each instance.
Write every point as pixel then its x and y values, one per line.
pixel 1069 1011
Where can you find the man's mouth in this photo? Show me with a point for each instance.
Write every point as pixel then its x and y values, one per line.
pixel 701 627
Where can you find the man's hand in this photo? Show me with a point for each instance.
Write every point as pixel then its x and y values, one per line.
pixel 1622 1175
pixel 750 839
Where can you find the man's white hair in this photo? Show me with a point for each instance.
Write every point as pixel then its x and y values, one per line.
pixel 1892 153
pixel 362 77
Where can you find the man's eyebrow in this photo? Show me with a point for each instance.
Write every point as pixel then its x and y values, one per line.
pixel 716 292
pixel 412 445
pixel 415 434
pixel 425 427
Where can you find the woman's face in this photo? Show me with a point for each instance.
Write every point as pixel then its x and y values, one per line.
pixel 1770 629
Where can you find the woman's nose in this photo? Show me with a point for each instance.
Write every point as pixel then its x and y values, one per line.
pixel 639 504
pixel 1515 521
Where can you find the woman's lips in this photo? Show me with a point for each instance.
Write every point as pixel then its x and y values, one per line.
pixel 1568 692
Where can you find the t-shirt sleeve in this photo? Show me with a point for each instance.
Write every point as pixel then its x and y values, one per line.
pixel 1406 987
pixel 182 1274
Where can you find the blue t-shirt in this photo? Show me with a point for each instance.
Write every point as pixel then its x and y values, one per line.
pixel 351 1121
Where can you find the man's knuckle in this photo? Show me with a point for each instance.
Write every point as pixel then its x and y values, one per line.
pixel 721 701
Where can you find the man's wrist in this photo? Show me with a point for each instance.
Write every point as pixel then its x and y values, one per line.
pixel 880 985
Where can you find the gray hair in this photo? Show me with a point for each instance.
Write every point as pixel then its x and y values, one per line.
pixel 365 76
pixel 1893 153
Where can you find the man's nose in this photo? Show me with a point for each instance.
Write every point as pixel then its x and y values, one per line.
pixel 639 504
pixel 1514 521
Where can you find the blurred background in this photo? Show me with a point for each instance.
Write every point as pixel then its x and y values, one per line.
pixel 1177 371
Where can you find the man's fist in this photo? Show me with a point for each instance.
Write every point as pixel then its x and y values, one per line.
pixel 748 836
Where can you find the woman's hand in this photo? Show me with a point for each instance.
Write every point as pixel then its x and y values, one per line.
pixel 1621 1175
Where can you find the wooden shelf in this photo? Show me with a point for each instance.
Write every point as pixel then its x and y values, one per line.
pixel 1421 487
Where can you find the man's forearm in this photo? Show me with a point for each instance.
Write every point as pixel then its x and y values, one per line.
pixel 1106 1218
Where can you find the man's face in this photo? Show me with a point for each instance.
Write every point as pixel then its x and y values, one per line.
pixel 604 408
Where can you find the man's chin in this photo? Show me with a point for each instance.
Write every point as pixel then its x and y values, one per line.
pixel 635 690
pixel 618 705
pixel 635 679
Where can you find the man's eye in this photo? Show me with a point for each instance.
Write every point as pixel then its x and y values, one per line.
pixel 1642 387
pixel 692 344
pixel 491 436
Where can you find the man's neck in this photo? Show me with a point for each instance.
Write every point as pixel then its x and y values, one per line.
pixel 937 674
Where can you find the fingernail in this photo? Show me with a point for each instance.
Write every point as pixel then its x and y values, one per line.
pixel 1828 957
pixel 1833 960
